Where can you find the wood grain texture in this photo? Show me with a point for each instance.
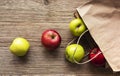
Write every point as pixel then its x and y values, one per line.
pixel 28 19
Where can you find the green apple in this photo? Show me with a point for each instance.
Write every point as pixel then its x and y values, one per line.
pixel 19 46
pixel 77 27
pixel 78 55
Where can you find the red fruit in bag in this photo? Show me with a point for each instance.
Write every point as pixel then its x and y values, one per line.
pixel 98 60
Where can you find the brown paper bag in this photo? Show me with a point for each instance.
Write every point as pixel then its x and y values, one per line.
pixel 102 18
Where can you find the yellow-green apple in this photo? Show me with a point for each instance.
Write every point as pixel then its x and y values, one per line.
pixel 51 39
pixel 99 60
pixel 77 27
pixel 19 46
pixel 78 54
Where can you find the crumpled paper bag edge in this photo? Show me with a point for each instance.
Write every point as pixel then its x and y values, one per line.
pixel 81 15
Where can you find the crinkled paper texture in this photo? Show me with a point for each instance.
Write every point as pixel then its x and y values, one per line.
pixel 102 18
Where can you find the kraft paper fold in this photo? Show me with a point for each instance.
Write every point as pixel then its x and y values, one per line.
pixel 102 18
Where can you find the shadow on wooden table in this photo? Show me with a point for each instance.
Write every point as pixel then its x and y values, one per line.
pixel 21 59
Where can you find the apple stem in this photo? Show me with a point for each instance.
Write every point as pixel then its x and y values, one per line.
pixel 78 26
pixel 53 36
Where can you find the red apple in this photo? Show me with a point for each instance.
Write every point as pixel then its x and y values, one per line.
pixel 51 39
pixel 99 60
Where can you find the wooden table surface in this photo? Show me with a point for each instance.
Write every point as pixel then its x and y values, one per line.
pixel 28 19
